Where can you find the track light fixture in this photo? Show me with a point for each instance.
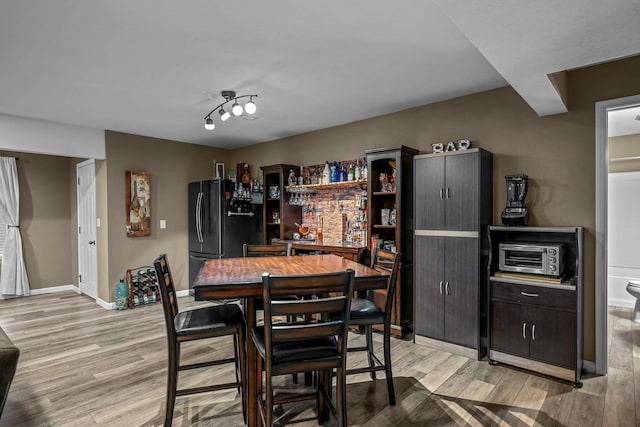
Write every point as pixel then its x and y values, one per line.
pixel 236 108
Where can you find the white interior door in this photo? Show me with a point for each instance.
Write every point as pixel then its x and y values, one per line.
pixel 87 255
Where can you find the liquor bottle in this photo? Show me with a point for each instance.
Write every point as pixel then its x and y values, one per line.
pixel 326 174
pixel 364 172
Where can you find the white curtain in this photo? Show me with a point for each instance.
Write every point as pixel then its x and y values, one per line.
pixel 13 276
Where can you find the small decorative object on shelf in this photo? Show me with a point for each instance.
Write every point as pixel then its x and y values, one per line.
pixel 143 286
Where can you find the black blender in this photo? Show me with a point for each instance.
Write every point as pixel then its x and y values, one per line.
pixel 516 214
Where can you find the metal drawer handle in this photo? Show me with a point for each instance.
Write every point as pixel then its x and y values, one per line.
pixel 446 288
pixel 440 287
pixel 527 294
pixel 524 331
pixel 442 194
pixel 447 193
pixel 533 332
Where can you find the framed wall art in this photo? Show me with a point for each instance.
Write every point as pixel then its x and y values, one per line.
pixel 138 198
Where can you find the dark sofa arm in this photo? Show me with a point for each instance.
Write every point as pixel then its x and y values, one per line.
pixel 8 362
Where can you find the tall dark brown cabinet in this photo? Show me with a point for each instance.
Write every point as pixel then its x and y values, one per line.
pixel 278 215
pixel 453 195
pixel 394 193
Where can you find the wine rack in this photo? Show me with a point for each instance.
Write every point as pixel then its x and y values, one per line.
pixel 143 286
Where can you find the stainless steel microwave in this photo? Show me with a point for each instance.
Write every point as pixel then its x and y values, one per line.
pixel 532 258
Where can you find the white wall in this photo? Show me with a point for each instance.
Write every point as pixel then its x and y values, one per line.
pixel 623 236
pixel 42 137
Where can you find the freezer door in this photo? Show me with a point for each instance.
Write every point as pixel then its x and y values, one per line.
pixel 238 230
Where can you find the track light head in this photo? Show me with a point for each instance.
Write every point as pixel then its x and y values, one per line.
pixel 224 115
pixel 237 109
pixel 250 107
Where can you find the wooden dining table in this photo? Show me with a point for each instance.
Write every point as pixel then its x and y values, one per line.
pixel 242 278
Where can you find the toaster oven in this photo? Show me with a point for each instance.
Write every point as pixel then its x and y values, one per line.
pixel 532 258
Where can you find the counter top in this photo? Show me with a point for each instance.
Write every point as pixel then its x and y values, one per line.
pixel 317 244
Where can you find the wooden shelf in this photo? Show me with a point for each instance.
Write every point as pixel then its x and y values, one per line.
pixel 384 193
pixel 311 188
pixel 384 226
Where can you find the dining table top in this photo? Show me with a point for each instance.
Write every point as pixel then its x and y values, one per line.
pixel 242 277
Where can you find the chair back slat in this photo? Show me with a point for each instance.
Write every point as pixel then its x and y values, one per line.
pixel 266 250
pixel 328 295
pixel 306 307
pixel 167 293
pixel 286 332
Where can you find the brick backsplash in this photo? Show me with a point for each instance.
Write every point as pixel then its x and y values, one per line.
pixel 337 207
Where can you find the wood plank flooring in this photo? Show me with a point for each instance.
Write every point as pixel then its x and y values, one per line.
pixel 81 365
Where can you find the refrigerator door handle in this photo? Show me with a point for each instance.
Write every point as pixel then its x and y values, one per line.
pixel 199 217
pixel 229 213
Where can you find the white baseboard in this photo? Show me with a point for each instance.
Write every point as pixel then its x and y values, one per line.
pixel 54 289
pixel 621 303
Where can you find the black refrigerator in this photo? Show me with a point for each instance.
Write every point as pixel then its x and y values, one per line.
pixel 219 223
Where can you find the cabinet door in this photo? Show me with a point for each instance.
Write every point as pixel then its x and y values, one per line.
pixel 461 291
pixel 509 328
pixel 553 337
pixel 429 193
pixel 462 194
pixel 428 284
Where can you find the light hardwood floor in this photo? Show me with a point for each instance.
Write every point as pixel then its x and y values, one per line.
pixel 81 365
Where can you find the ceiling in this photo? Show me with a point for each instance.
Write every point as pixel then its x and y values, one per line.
pixel 157 67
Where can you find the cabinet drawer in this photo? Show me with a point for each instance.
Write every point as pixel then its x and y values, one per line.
pixel 535 295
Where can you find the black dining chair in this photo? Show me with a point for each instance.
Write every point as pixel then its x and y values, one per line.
pixel 302 346
pixel 375 309
pixel 196 324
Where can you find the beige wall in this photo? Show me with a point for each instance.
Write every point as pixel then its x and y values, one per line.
pixel 557 152
pixel 621 147
pixel 172 165
pixel 45 218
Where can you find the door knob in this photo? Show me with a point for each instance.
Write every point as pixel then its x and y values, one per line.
pixel 92 242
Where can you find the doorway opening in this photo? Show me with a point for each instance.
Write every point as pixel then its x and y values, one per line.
pixel 602 216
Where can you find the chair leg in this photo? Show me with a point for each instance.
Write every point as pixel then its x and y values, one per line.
pixel 268 400
pixel 387 364
pixel 369 334
pixel 237 359
pixel 341 401
pixel 324 380
pixel 243 370
pixel 172 382
pixel 259 401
